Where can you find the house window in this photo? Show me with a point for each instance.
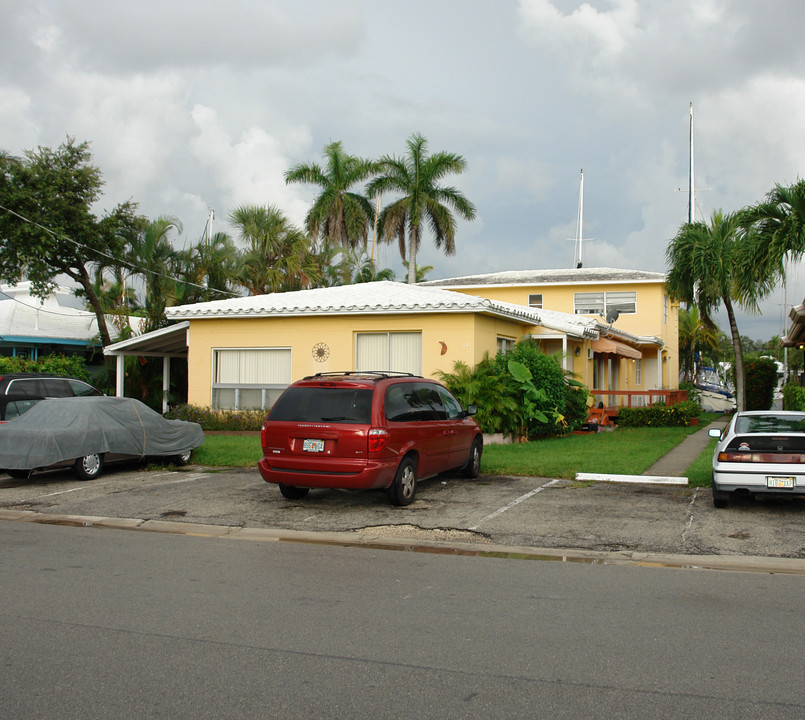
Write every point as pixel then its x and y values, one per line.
pixel 395 351
pixel 600 303
pixel 505 345
pixel 249 378
pixel 638 372
pixel 535 301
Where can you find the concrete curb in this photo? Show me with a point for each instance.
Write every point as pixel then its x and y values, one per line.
pixel 733 563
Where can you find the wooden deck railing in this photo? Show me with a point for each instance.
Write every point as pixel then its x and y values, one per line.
pixel 615 399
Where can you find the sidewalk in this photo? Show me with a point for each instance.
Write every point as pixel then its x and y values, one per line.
pixel 677 461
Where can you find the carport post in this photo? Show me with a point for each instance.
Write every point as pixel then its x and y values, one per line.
pixel 120 376
pixel 166 382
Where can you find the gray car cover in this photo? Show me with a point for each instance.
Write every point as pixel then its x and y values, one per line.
pixel 59 429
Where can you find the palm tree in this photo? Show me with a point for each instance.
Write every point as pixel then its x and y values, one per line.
pixel 706 263
pixel 416 177
pixel 778 234
pixel 153 257
pixel 210 269
pixel 694 336
pixel 278 256
pixel 338 214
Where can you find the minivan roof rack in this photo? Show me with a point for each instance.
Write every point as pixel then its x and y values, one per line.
pixel 376 374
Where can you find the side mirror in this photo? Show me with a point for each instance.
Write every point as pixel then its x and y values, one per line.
pixel 714 432
pixel 472 409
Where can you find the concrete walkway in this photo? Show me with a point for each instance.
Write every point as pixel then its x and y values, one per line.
pixel 676 462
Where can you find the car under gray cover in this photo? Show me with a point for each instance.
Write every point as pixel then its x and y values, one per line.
pixel 56 430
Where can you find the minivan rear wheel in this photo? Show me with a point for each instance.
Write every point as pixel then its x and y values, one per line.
pixel 472 467
pixel 293 492
pixel 403 489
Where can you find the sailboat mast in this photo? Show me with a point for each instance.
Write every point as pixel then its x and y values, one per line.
pixel 580 221
pixel 691 187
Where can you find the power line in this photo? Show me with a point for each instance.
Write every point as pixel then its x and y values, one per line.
pixel 117 260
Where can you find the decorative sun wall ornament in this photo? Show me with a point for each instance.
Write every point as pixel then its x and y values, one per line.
pixel 321 352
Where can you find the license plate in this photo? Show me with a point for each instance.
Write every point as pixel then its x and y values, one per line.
pixel 313 445
pixel 779 482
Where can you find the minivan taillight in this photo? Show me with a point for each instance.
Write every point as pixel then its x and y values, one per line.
pixel 378 439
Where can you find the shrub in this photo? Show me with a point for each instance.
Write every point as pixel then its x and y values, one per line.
pixel 760 379
pixel 659 415
pixel 548 379
pixel 214 419
pixel 495 395
pixel 793 397
pixel 62 365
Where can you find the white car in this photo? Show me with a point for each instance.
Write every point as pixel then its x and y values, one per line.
pixel 760 451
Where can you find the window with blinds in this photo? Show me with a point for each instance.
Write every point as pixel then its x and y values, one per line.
pixel 249 378
pixel 395 351
pixel 600 303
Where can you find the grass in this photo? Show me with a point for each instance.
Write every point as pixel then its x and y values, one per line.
pixel 229 451
pixel 626 451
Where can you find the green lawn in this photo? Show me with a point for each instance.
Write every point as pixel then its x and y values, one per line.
pixel 625 451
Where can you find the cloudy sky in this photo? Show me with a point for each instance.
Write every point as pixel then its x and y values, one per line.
pixel 195 105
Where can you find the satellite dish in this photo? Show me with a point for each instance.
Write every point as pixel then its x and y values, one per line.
pixel 613 315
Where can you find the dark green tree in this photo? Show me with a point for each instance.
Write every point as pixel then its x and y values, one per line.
pixel 47 226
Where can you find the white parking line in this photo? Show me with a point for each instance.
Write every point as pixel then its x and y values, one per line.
pixel 64 492
pixel 514 502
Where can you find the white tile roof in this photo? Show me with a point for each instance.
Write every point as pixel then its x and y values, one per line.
pixel 380 298
pixel 555 276
pixel 23 315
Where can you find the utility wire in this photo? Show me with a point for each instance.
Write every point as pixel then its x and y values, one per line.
pixel 117 260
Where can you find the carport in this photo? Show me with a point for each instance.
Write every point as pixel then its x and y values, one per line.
pixel 168 342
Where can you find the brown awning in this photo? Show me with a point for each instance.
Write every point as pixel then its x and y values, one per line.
pixel 611 347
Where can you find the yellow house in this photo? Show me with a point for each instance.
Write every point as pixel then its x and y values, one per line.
pixel 628 303
pixel 242 352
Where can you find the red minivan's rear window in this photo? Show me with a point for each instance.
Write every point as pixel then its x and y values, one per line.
pixel 324 404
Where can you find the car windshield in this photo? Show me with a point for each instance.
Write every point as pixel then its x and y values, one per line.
pixel 324 404
pixel 770 423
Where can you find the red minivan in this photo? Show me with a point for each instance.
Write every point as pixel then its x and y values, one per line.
pixel 366 430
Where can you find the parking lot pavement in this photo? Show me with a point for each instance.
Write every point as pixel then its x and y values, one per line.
pixel 527 512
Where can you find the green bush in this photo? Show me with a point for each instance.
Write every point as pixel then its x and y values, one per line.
pixel 495 395
pixel 793 397
pixel 62 365
pixel 659 415
pixel 213 419
pixel 548 379
pixel 760 379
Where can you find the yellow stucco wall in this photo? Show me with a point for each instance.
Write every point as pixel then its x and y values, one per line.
pixel 466 337
pixel 656 316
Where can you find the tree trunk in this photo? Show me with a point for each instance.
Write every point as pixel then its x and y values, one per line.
pixel 95 303
pixel 412 243
pixel 740 384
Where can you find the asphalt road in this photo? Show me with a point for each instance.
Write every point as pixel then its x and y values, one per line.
pixel 113 624
pixel 511 512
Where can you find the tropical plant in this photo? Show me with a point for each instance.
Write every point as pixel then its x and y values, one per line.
pixel 424 201
pixel 278 256
pixel 151 255
pixel 761 379
pixel 695 336
pixel 779 232
pixel 494 394
pixel 708 267
pixel 338 214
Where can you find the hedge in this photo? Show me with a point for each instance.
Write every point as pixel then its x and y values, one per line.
pixel 793 397
pixel 213 419
pixel 659 415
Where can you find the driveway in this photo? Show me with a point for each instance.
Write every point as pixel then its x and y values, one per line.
pixel 514 512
